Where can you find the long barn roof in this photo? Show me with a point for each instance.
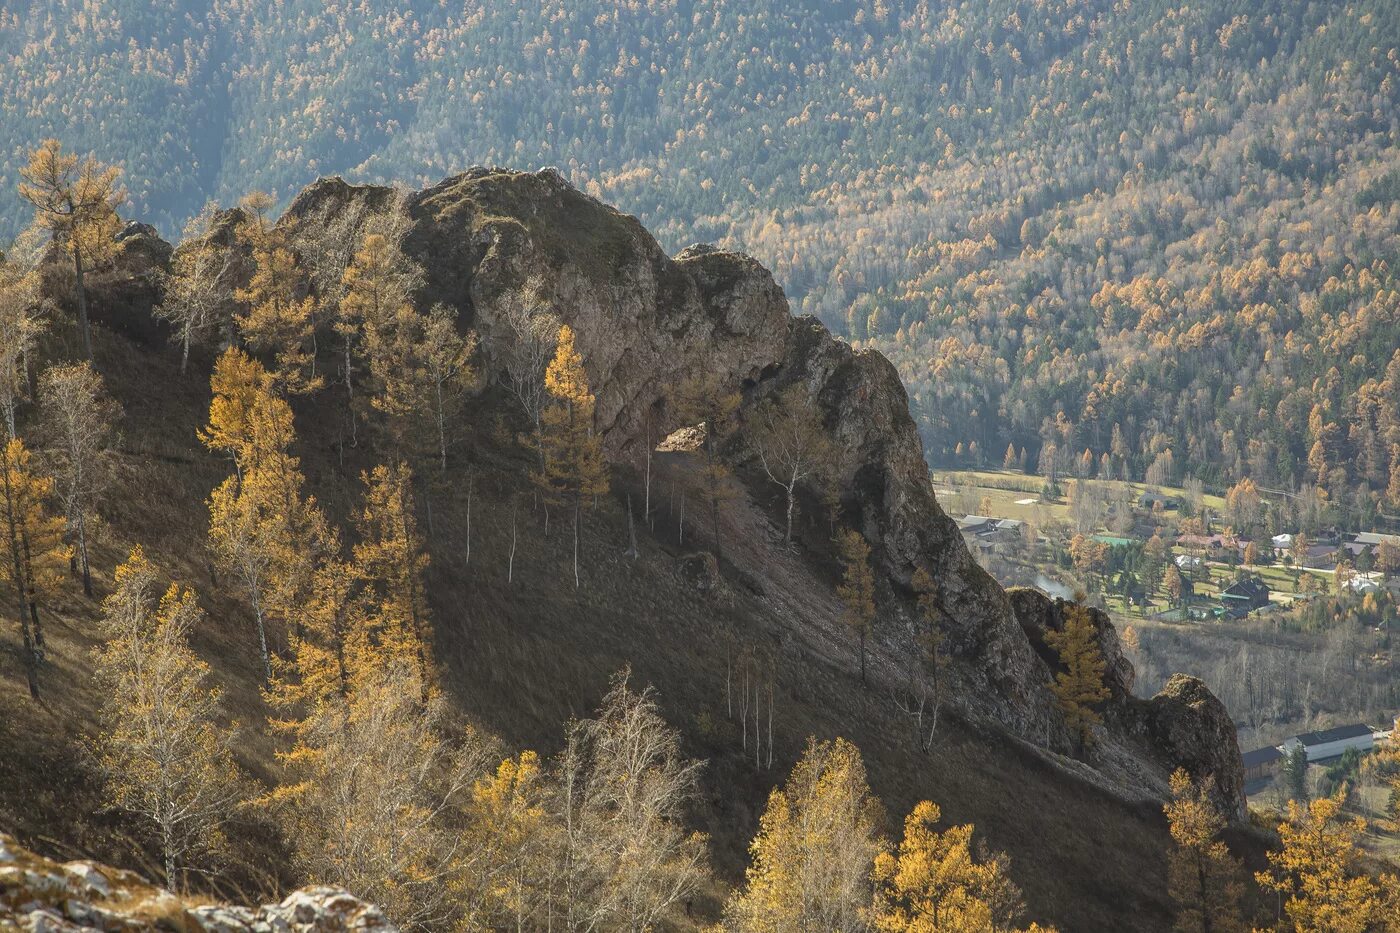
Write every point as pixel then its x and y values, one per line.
pixel 1353 731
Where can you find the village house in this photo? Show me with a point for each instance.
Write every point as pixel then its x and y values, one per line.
pixel 1320 556
pixel 1261 762
pixel 1331 743
pixel 975 524
pixel 1187 562
pixel 1152 500
pixel 990 535
pixel 1215 546
pixel 1363 583
pixel 1372 539
pixel 1244 596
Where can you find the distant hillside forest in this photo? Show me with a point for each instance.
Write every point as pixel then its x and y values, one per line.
pixel 1160 233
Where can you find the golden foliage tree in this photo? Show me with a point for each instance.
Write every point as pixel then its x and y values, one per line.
pixel 329 646
pixel 1080 686
pixel 277 315
pixel 374 797
pixel 378 283
pixel 1317 874
pixel 80 419
pixel 391 560
pixel 512 825
pixel 817 845
pixel 574 468
pixel 262 529
pixel 21 323
pixel 1203 876
pixel 77 201
pixel 164 753
pixel 422 371
pixel 34 539
pixel 857 588
pixel 243 395
pixel 937 882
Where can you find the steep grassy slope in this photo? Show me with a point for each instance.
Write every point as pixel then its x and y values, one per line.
pixel 522 657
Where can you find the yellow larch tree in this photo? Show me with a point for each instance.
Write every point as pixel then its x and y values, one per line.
pixel 1203 876
pixel 240 385
pixel 378 283
pixel 937 883
pixel 21 323
pixel 857 587
pixel 373 788
pixel 163 751
pixel 392 561
pixel 817 845
pixel 262 529
pixel 277 316
pixel 1316 872
pixel 34 539
pixel 574 467
pixel 512 826
pixel 329 648
pixel 77 201
pixel 1080 686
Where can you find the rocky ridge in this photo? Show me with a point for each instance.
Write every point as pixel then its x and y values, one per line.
pixel 44 896
pixel 493 241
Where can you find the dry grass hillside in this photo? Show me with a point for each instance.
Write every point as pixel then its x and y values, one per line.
pixel 522 657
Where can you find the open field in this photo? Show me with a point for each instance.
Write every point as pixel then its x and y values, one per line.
pixel 991 482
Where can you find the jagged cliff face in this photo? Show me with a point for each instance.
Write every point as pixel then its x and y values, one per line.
pixel 493 242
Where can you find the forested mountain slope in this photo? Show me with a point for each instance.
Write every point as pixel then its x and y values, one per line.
pixel 524 641
pixel 1160 233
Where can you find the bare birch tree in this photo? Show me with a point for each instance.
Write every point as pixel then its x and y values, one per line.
pixel 530 331
pixel 792 444
pixel 163 751
pixel 198 290
pixel 625 858
pixel 79 420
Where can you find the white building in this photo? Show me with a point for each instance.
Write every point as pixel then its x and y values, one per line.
pixel 1365 582
pixel 1331 743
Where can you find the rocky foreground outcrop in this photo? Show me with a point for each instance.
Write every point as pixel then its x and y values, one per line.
pixel 501 247
pixel 1183 726
pixel 44 896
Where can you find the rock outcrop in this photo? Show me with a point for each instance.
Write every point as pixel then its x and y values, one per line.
pixel 498 245
pixel 44 896
pixel 1188 727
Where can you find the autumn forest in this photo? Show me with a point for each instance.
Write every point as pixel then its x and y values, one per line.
pixel 391 498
